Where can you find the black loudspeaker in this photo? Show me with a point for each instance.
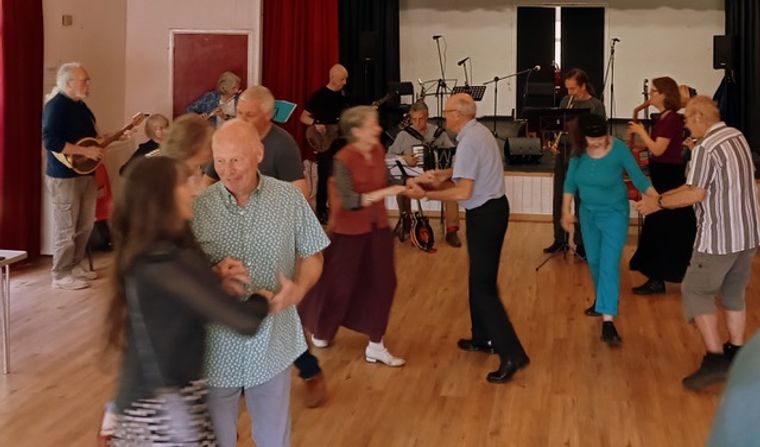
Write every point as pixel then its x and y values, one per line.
pixel 368 46
pixel 522 150
pixel 723 52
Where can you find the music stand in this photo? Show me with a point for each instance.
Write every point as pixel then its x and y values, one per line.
pixel 476 91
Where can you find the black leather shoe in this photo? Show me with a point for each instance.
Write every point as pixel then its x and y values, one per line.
pixel 467 344
pixel 730 351
pixel 591 311
pixel 610 335
pixel 504 373
pixel 651 287
pixel 452 238
pixel 554 248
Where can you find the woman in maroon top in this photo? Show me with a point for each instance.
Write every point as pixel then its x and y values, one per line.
pixel 666 240
pixel 359 278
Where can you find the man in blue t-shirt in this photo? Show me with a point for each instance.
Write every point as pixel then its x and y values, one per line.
pixel 478 176
pixel 66 119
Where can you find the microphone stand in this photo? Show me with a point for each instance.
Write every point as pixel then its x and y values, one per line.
pixel 495 82
pixel 609 73
pixel 441 89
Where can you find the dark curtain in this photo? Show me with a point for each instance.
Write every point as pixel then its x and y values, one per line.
pixel 300 44
pixel 535 46
pixel 583 43
pixel 21 130
pixel 743 22
pixel 369 47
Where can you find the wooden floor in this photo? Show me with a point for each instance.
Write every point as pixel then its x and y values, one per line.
pixel 576 391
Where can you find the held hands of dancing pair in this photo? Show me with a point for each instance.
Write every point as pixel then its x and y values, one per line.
pixel 235 277
pixel 649 203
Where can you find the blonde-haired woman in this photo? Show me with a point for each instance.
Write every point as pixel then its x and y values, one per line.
pixel 155 130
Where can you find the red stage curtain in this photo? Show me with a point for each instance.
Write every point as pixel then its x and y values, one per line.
pixel 21 74
pixel 300 44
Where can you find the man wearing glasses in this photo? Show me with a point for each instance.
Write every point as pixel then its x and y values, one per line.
pixel 66 119
pixel 478 176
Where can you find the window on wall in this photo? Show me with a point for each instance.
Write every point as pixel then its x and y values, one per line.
pixel 561 38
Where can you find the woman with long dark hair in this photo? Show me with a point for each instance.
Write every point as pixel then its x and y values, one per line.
pixel 667 238
pixel 164 293
pixel 596 173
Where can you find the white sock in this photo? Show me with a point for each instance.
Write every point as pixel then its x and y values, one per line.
pixel 376 346
pixel 607 317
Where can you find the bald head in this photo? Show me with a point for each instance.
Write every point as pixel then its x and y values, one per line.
pixel 338 77
pixel 460 109
pixel 237 152
pixel 701 113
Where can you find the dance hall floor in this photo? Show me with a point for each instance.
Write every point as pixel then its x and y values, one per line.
pixel 576 391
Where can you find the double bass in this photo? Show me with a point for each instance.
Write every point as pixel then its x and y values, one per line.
pixel 639 150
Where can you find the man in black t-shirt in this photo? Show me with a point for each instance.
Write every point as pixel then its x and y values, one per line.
pixel 323 109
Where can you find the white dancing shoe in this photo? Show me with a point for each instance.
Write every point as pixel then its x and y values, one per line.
pixel 372 355
pixel 319 343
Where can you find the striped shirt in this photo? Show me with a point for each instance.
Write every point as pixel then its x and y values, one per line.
pixel 727 218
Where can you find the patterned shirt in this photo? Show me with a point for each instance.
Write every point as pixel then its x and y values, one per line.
pixel 727 219
pixel 267 234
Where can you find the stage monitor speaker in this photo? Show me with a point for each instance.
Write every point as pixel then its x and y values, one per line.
pixel 723 52
pixel 522 150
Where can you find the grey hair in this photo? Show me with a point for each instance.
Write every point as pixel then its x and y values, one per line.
pixel 227 80
pixel 705 106
pixel 419 107
pixel 62 78
pixel 355 117
pixel 261 94
pixel 464 106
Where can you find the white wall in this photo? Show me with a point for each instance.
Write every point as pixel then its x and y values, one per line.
pixel 658 38
pixel 147 50
pixel 97 39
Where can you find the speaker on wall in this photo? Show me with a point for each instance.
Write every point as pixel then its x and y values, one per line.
pixel 723 52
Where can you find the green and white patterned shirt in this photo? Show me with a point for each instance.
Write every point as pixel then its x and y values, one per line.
pixel 268 234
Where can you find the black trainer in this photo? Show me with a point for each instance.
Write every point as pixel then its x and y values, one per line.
pixel 713 369
pixel 610 334
pixel 554 248
pixel 591 311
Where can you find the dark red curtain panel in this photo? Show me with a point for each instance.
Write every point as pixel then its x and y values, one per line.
pixel 300 44
pixel 21 128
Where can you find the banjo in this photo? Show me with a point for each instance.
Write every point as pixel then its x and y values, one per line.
pixel 83 165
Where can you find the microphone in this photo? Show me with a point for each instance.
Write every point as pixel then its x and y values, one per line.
pixel 463 60
pixel 436 37
pixel 615 39
pixel 536 68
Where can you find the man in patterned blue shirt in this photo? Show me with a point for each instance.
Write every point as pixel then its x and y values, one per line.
pixel 267 225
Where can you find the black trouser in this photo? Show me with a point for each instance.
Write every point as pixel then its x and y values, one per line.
pixel 560 171
pixel 307 365
pixel 324 171
pixel 486 228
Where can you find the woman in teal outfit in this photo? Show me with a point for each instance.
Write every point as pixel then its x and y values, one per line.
pixel 596 173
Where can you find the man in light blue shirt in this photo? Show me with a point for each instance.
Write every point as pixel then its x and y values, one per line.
pixel 267 225
pixel 478 175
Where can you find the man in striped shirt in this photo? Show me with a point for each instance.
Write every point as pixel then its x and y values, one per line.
pixel 721 187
